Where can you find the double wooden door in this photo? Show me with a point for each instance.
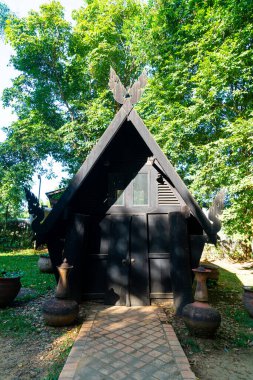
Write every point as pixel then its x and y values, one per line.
pixel 128 259
pixel 127 265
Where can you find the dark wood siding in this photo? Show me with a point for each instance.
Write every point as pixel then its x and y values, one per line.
pixel 159 255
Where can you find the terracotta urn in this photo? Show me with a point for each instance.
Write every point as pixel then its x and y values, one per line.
pixel 61 311
pixel 9 289
pixel 62 290
pixel 45 264
pixel 248 299
pixel 199 317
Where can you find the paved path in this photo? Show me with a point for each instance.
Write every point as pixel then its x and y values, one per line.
pixel 118 342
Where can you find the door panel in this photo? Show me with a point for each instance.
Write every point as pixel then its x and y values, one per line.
pixel 117 271
pixel 159 237
pixel 160 277
pixel 159 256
pixel 95 256
pixel 138 274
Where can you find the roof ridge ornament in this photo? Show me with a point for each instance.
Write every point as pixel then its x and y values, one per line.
pixel 216 209
pixel 122 94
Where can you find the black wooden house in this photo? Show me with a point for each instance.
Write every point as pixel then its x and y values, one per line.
pixel 127 222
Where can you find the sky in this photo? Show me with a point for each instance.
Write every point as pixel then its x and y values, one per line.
pixel 21 8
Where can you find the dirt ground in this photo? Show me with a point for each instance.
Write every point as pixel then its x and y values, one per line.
pixel 35 356
pixel 234 364
pixel 39 352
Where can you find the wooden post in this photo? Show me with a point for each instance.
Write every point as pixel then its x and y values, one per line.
pixel 180 262
pixel 73 251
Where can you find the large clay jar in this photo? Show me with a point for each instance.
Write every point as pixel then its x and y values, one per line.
pixel 248 299
pixel 9 289
pixel 59 312
pixel 199 317
pixel 45 264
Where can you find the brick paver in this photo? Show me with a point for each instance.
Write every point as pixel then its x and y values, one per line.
pixel 126 343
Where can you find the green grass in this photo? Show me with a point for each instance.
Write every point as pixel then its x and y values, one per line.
pixel 13 322
pixel 229 281
pixel 227 298
pixel 26 261
pixel 14 325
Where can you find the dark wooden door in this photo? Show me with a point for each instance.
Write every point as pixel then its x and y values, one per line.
pixel 127 268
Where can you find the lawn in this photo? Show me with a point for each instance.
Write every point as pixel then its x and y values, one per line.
pixel 12 322
pixel 21 324
pixel 26 262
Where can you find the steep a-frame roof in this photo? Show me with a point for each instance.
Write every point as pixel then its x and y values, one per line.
pixel 127 112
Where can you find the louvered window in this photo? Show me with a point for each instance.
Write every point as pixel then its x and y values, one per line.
pixel 166 196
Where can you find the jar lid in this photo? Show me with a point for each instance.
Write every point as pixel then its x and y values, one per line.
pixel 201 269
pixel 65 265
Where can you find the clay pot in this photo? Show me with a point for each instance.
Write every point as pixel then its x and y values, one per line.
pixel 9 289
pixel 59 312
pixel 214 274
pixel 201 319
pixel 201 290
pixel 62 289
pixel 248 299
pixel 45 264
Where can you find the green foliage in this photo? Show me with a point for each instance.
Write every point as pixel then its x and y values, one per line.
pixel 15 234
pixel 4 14
pixel 61 96
pixel 202 117
pixel 4 274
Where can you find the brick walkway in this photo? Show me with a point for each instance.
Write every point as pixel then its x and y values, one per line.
pixel 117 343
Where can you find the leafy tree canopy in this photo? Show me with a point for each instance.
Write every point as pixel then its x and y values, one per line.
pixel 201 55
pixel 4 13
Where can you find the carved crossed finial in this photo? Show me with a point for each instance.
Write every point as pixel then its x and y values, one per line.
pixel 121 94
pixel 217 209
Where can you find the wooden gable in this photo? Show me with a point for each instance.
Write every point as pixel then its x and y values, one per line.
pixel 128 116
